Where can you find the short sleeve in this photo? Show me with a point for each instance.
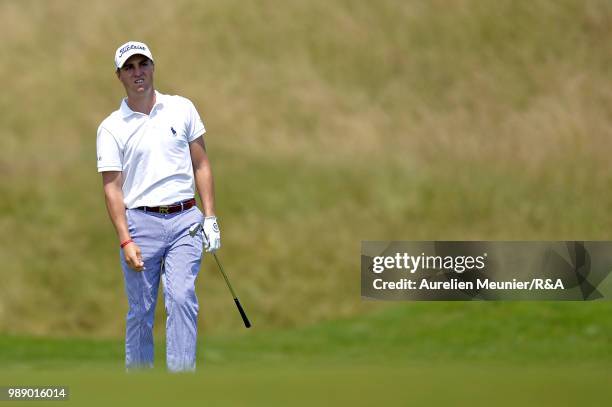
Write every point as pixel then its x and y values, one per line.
pixel 195 125
pixel 109 153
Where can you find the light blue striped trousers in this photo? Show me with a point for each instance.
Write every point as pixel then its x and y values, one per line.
pixel 171 254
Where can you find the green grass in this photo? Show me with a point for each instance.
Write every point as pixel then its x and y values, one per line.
pixel 477 352
pixel 416 384
pixel 507 332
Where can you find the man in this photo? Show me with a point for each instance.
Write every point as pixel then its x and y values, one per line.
pixel 150 153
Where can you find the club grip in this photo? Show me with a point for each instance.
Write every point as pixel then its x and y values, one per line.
pixel 246 321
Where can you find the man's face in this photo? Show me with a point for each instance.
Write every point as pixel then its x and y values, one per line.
pixel 137 74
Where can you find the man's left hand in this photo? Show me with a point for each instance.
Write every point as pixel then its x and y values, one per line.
pixel 212 234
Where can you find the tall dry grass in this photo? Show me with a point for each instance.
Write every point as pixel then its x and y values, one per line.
pixel 329 123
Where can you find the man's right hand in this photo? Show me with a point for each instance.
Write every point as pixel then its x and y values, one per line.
pixel 133 257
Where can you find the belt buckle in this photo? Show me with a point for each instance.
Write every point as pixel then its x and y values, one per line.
pixel 164 209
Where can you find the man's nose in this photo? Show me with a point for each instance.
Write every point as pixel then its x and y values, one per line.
pixel 137 71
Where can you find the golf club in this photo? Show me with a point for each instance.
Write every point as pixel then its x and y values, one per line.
pixel 193 230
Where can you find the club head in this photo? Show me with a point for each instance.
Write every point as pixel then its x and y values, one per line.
pixel 194 229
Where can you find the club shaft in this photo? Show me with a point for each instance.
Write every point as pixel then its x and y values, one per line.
pixel 245 319
pixel 229 285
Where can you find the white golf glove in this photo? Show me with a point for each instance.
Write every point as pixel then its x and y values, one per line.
pixel 212 234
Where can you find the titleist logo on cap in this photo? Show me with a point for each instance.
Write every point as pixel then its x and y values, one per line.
pixel 129 47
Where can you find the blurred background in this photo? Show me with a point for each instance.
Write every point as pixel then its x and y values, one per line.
pixel 329 123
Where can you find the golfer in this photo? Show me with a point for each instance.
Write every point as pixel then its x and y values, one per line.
pixel 151 152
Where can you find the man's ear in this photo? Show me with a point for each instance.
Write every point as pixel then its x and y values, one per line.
pixel 117 73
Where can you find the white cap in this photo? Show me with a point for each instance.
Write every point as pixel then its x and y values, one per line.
pixel 131 48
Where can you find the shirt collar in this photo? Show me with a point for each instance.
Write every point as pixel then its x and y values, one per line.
pixel 127 112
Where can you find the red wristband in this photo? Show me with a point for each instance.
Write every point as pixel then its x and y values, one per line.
pixel 127 242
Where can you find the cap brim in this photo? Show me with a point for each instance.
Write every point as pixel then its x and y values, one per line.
pixel 130 54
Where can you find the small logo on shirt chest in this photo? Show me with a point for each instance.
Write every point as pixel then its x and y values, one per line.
pixel 173 131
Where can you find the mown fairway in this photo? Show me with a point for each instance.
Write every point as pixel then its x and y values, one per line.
pixel 329 122
pixel 470 354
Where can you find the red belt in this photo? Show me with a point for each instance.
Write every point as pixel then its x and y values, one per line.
pixel 181 206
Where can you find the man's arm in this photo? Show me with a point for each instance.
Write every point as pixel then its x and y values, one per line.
pixel 203 175
pixel 116 211
pixel 206 188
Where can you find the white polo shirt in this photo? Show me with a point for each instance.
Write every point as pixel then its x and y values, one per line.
pixel 151 150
